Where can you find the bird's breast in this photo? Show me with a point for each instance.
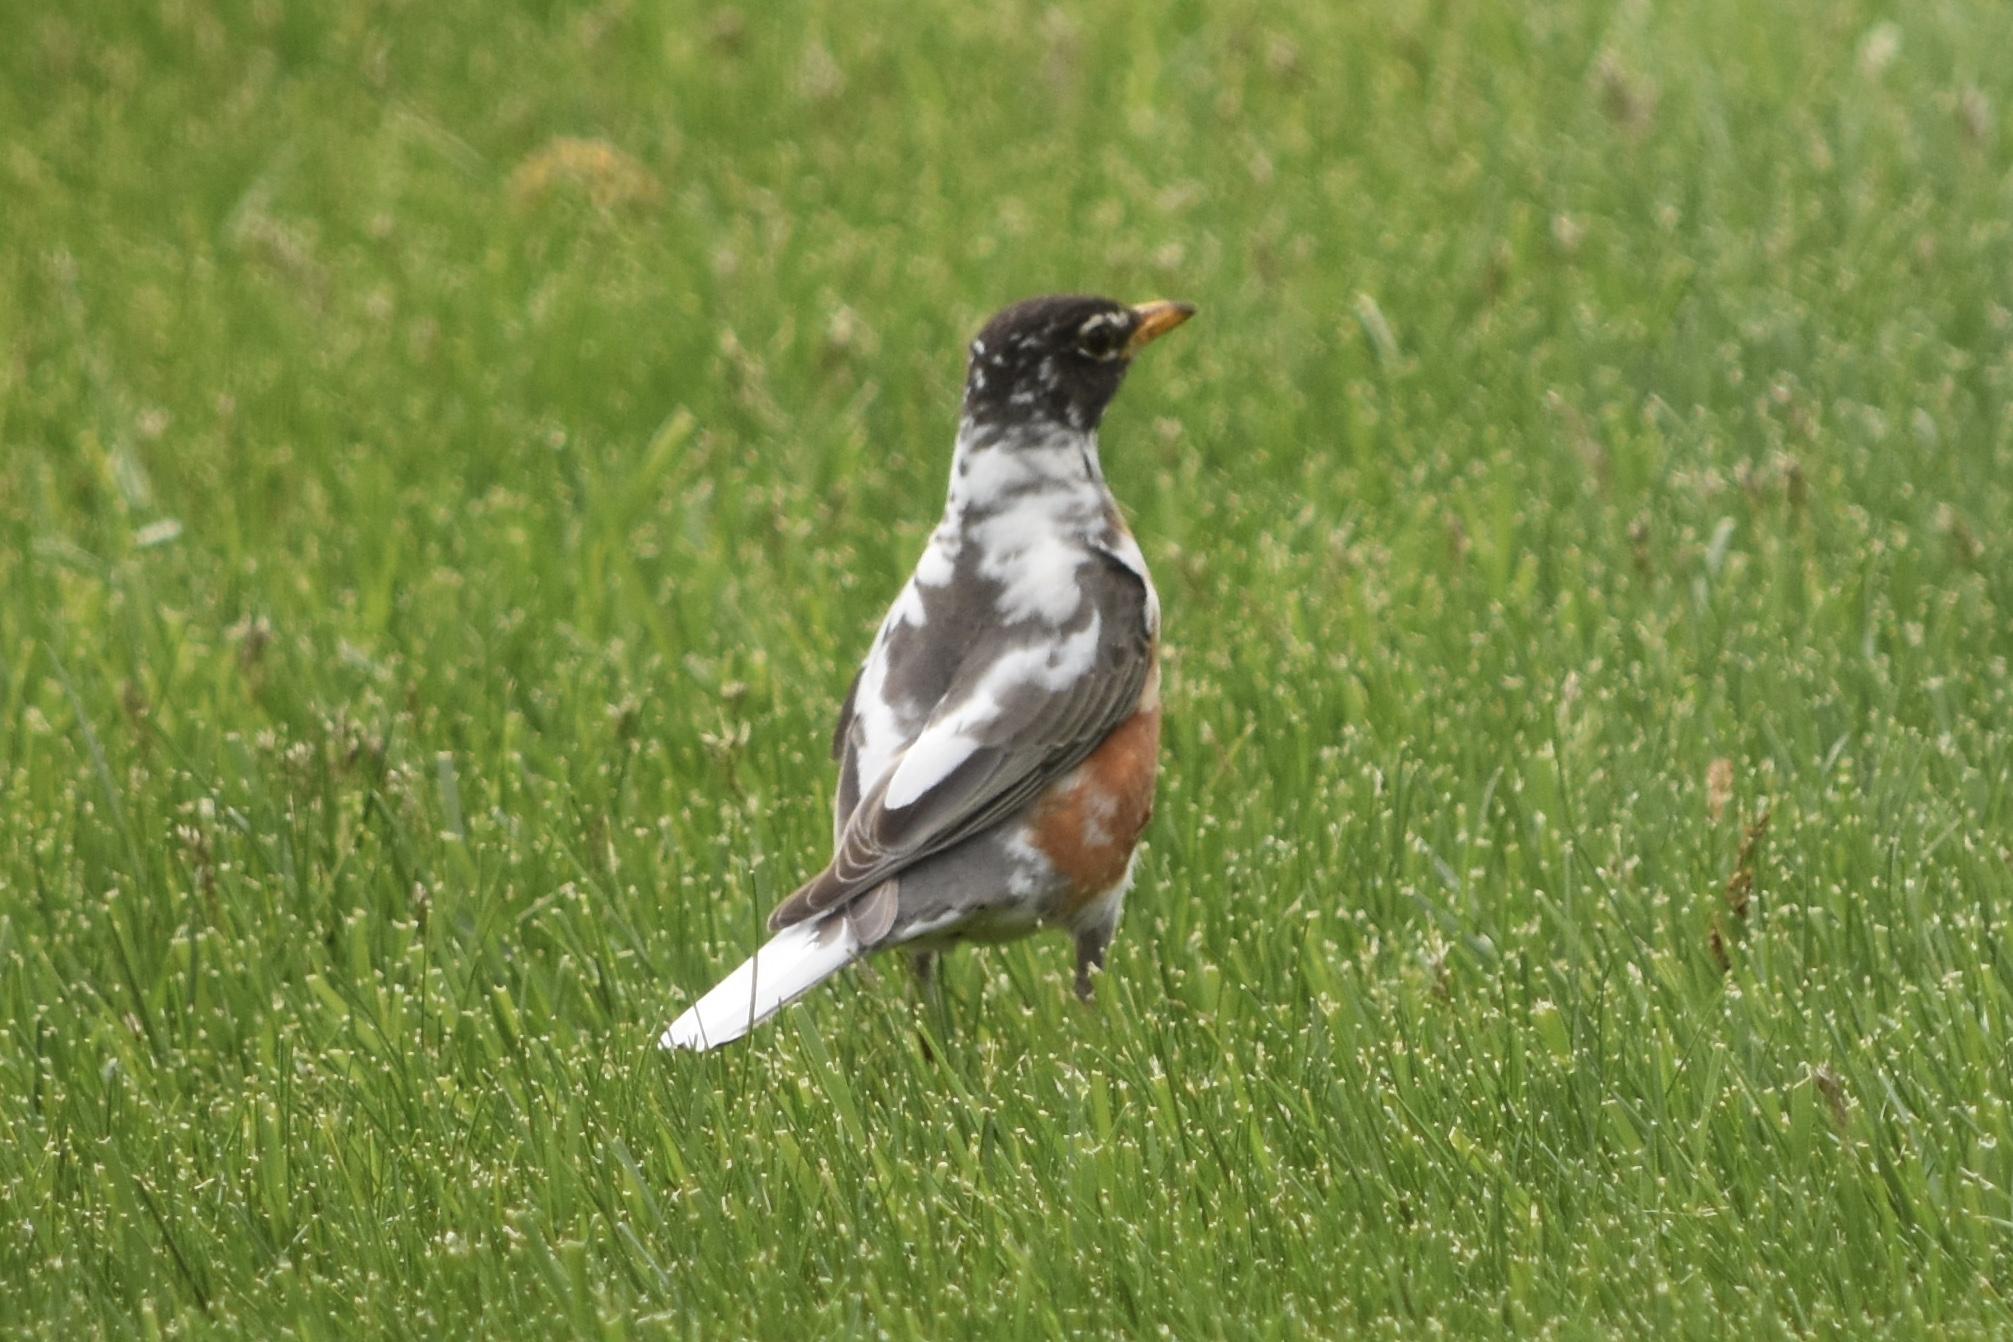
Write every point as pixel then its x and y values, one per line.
pixel 1088 823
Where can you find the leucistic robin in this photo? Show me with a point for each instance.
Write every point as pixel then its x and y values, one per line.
pixel 998 748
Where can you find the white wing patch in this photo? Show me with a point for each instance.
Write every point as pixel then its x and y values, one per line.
pixel 880 729
pixel 950 740
pixel 927 763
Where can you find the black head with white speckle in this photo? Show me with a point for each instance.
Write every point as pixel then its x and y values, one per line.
pixel 1059 360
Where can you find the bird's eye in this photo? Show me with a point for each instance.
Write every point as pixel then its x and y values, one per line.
pixel 1103 336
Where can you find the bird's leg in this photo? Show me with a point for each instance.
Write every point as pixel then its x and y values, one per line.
pixel 1090 948
pixel 929 990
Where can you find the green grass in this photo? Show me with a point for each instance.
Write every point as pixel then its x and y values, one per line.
pixel 431 555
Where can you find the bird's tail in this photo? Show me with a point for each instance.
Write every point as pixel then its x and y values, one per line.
pixel 794 961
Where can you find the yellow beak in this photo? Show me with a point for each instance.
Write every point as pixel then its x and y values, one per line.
pixel 1156 319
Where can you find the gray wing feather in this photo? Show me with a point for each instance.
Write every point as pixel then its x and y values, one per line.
pixel 843 751
pixel 1038 736
pixel 845 727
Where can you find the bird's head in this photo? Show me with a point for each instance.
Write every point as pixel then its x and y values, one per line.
pixel 1059 360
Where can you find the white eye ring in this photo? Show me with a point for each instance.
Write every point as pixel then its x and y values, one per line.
pixel 1090 328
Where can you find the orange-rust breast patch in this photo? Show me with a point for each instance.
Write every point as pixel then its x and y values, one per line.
pixel 1088 823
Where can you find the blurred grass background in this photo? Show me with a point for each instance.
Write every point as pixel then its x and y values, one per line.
pixel 452 454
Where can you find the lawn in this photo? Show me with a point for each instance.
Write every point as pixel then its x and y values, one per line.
pixel 453 454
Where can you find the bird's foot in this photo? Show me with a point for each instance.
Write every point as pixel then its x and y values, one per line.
pixel 1089 956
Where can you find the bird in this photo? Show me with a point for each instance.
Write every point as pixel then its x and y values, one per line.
pixel 999 747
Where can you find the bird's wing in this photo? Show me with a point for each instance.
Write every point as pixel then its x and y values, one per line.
pixel 845 726
pixel 844 751
pixel 1026 706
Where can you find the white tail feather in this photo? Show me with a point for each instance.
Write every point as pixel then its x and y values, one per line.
pixel 794 961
